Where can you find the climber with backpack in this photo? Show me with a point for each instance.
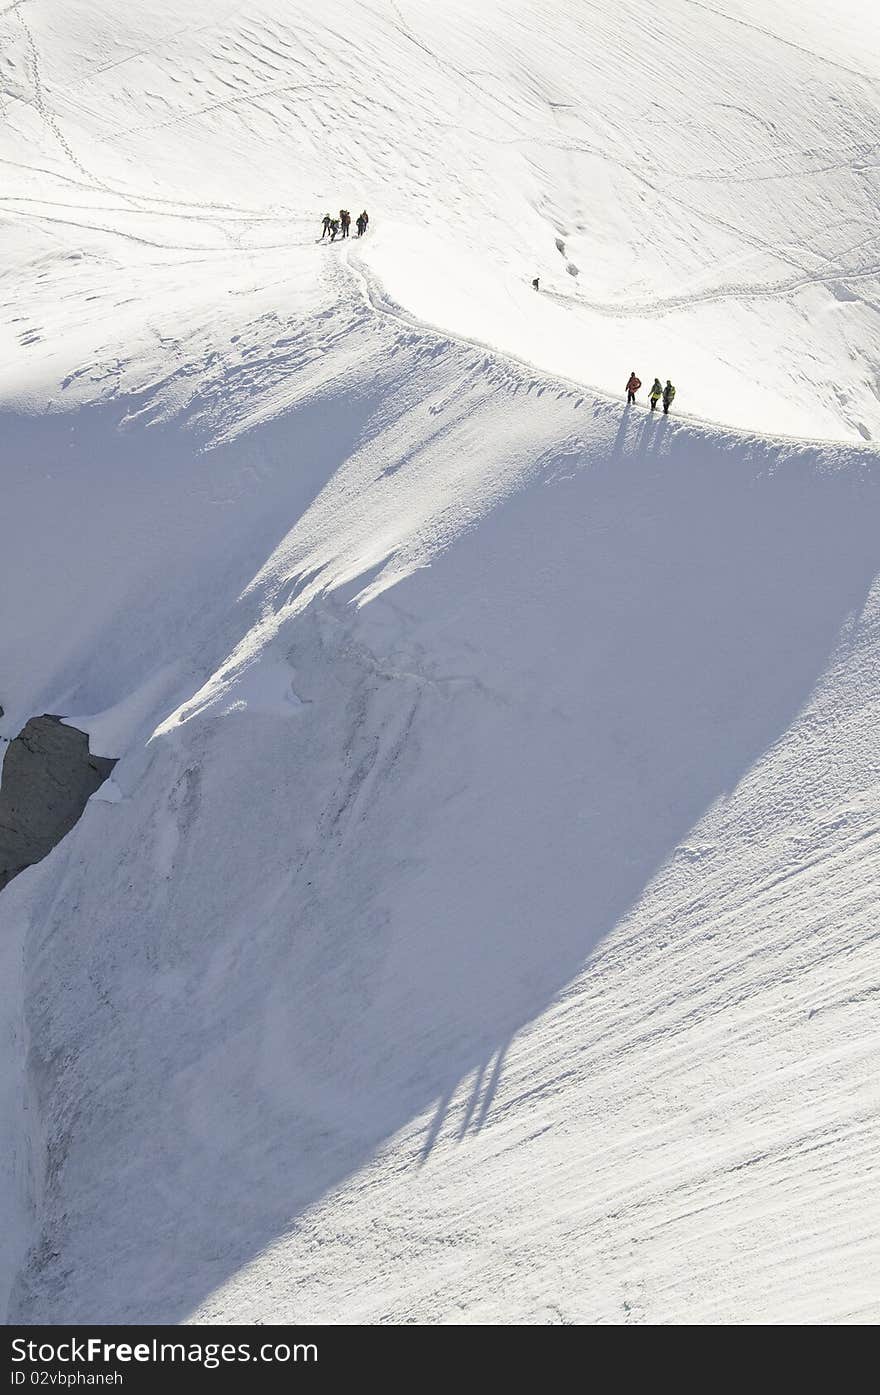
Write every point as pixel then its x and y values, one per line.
pixel 668 396
pixel 632 388
pixel 656 394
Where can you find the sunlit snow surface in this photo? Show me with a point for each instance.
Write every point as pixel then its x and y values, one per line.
pixel 480 925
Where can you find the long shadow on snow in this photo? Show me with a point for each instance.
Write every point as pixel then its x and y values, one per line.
pixel 156 514
pixel 607 655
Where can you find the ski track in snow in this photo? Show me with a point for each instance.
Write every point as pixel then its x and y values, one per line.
pixel 480 925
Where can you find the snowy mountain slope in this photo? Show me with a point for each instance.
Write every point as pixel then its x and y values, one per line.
pixel 698 187
pixel 478 923
pixel 503 926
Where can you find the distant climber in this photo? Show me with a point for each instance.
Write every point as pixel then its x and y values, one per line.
pixel 366 217
pixel 345 221
pixel 668 397
pixel 361 225
pixel 535 283
pixel 656 394
pixel 325 224
pixel 334 229
pixel 632 388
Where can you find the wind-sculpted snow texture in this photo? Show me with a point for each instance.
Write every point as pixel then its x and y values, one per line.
pixel 697 189
pixel 479 922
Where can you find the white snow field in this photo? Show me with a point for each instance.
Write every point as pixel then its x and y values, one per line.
pixel 480 924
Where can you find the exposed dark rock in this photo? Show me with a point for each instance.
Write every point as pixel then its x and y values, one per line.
pixel 48 774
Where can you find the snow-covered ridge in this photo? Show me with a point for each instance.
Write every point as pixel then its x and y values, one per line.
pixel 482 927
pixel 548 864
pixel 698 189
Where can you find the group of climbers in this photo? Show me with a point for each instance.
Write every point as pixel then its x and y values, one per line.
pixel 340 227
pixel 667 393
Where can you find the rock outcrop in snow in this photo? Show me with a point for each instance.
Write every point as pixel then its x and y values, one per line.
pixel 48 775
pixel 484 927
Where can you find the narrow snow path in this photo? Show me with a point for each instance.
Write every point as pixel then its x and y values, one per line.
pixel 480 925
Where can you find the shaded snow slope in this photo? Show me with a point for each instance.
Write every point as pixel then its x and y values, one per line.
pixel 478 923
pixel 497 947
pixel 698 188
